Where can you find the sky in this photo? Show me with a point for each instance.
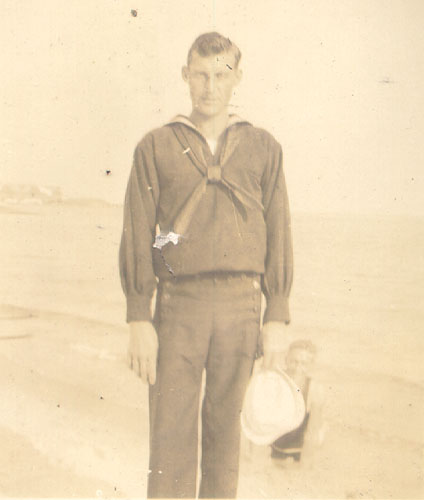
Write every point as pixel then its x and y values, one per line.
pixel 338 83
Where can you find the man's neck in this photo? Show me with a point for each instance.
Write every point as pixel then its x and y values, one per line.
pixel 210 126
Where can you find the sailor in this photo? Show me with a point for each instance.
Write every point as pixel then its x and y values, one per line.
pixel 206 225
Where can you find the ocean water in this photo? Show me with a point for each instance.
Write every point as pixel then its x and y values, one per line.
pixel 358 291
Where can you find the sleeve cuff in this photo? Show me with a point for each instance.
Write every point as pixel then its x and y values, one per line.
pixel 138 308
pixel 277 309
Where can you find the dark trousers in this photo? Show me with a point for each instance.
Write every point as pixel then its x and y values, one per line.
pixel 210 322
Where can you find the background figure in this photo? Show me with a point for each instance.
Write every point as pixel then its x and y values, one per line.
pixel 302 442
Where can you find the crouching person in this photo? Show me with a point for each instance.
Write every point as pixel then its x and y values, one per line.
pixel 301 444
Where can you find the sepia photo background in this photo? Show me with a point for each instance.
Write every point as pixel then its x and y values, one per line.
pixel 340 85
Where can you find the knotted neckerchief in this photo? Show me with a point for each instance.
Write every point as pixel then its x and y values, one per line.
pixel 214 174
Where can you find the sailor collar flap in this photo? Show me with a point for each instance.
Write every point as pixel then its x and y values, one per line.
pixel 212 174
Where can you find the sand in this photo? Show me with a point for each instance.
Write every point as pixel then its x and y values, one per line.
pixel 74 418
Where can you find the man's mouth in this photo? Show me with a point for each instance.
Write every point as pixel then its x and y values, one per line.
pixel 208 100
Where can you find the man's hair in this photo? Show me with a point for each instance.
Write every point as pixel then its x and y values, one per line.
pixel 305 345
pixel 213 43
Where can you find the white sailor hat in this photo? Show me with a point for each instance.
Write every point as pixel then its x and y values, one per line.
pixel 273 405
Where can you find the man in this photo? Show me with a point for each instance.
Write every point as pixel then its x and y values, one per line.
pixel 206 222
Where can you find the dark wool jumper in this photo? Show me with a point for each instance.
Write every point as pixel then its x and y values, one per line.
pixel 232 207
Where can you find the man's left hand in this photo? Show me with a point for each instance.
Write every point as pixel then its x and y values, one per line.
pixel 275 344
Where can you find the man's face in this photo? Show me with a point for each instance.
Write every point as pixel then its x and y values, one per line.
pixel 299 362
pixel 211 81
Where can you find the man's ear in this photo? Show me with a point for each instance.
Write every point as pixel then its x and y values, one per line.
pixel 184 73
pixel 239 76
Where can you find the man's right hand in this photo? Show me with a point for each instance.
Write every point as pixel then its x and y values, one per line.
pixel 143 350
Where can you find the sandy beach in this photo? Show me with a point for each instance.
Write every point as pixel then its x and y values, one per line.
pixel 73 420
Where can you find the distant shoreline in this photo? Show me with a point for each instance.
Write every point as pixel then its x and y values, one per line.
pixel 98 202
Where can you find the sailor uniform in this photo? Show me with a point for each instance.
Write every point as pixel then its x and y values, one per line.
pixel 210 232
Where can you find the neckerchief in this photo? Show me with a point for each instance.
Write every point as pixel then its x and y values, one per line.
pixel 212 174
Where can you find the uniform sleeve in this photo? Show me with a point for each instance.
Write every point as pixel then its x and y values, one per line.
pixel 135 255
pixel 278 275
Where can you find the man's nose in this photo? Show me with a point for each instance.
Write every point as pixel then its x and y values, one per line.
pixel 209 83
